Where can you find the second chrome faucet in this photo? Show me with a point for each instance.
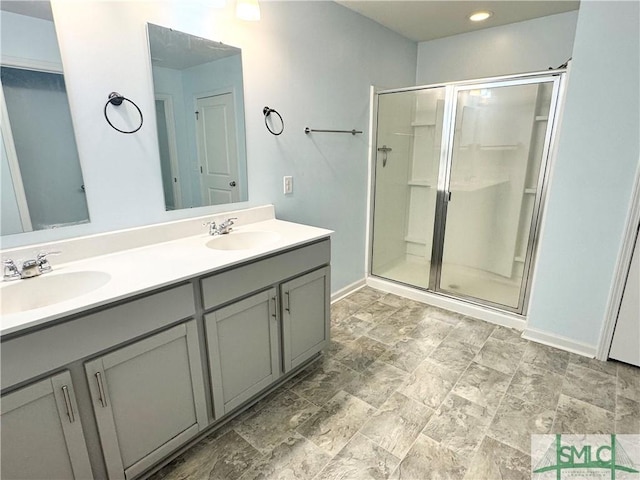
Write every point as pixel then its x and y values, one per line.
pixel 223 228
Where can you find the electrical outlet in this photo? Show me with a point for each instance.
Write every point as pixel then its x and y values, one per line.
pixel 288 184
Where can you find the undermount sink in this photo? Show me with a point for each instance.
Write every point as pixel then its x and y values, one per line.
pixel 48 289
pixel 243 240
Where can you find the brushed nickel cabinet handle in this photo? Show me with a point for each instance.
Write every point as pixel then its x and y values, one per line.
pixel 275 307
pixel 288 307
pixel 67 403
pixel 102 397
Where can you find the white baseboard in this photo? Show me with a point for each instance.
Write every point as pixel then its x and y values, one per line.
pixel 558 341
pixel 488 315
pixel 343 292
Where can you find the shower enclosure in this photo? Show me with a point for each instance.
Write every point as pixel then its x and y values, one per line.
pixel 459 177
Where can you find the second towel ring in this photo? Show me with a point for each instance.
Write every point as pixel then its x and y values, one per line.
pixel 116 99
pixel 268 111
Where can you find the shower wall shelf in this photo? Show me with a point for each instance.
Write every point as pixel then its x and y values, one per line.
pixel 476 185
pixel 489 147
pixel 542 118
pixel 420 183
pixel 419 241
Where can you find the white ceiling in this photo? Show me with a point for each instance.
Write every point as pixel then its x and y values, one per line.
pixel 423 20
pixel 418 20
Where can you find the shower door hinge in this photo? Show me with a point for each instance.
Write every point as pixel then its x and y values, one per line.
pixel 197 113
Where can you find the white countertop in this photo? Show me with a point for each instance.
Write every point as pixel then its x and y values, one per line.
pixel 147 268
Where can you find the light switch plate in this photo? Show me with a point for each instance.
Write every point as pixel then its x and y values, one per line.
pixel 288 184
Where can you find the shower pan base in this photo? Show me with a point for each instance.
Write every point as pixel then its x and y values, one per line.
pixel 476 283
pixel 441 300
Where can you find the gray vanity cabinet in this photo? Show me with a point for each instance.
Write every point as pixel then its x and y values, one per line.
pixel 263 319
pixel 148 399
pixel 244 353
pixel 305 317
pixel 42 435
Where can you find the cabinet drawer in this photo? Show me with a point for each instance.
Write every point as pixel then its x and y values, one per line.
pixel 236 283
pixel 44 350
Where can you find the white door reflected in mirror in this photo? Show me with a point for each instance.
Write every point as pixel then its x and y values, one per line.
pixel 200 119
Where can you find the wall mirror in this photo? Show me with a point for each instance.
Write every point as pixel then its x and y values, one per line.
pixel 42 185
pixel 199 102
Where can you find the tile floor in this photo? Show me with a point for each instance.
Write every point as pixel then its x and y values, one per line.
pixel 409 391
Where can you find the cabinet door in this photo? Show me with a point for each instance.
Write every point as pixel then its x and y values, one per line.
pixel 305 320
pixel 243 349
pixel 42 435
pixel 148 399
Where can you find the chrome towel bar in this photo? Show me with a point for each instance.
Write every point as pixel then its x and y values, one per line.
pixel 308 130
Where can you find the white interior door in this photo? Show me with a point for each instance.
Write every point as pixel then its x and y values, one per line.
pixel 626 337
pixel 217 149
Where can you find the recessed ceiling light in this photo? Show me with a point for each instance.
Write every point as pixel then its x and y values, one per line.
pixel 480 16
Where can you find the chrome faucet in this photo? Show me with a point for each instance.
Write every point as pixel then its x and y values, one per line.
pixel 225 227
pixel 222 229
pixel 11 271
pixel 29 269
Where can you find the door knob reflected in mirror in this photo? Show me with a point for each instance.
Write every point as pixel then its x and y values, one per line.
pixel 232 184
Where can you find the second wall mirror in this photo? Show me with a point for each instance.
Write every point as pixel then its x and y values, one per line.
pixel 199 101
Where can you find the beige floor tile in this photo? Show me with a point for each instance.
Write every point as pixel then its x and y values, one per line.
pixel 429 384
pixel 578 417
pixel 545 357
pixel 427 459
pixel 397 424
pixel 361 353
pixel 377 383
pixel 627 416
pixel 590 386
pixel 499 355
pixel 224 458
pixel 336 422
pixel 276 421
pixel 628 384
pixel 459 425
pixel 495 460
pixel 536 385
pixel 483 386
pixel 323 382
pixel 516 420
pixel 360 459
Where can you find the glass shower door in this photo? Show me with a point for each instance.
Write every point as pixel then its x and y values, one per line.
pixel 499 143
pixel 409 133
